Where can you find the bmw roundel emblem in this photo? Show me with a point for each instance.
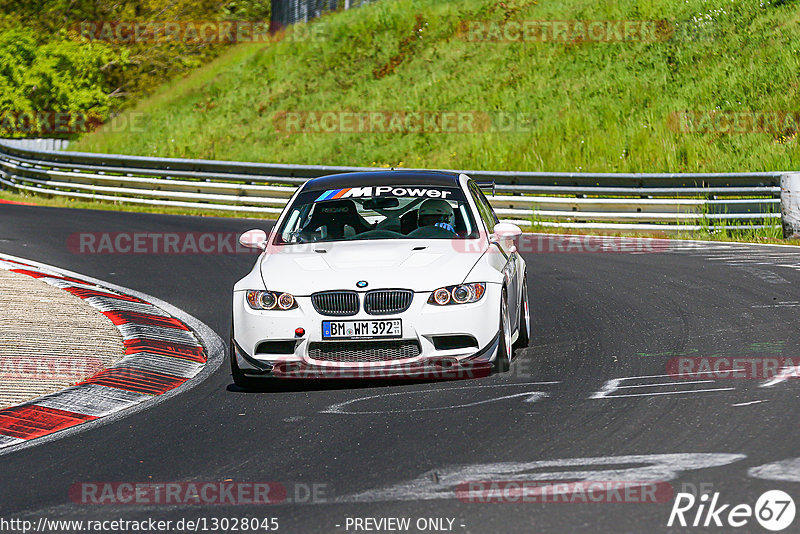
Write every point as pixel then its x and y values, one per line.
pixel 362 283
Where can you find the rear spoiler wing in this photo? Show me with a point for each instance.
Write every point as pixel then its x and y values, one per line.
pixel 487 186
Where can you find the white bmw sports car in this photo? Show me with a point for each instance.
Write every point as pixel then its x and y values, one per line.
pixel 381 274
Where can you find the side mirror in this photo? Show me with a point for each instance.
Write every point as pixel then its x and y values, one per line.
pixel 505 234
pixel 254 239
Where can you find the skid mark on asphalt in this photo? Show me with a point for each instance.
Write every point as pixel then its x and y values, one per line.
pixel 787 304
pixel 452 482
pixel 746 257
pixel 748 403
pixel 531 395
pixel 660 385
pixel 783 375
pixel 765 275
pixel 438 399
pixel 655 385
pixel 784 470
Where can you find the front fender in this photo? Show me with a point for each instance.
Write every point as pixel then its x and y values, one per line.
pixel 489 268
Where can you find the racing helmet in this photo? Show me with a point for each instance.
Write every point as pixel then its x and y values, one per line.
pixel 434 211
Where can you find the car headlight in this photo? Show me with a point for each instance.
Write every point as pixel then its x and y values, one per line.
pixel 270 300
pixel 460 294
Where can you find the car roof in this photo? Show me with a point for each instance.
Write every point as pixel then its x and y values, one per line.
pixel 377 178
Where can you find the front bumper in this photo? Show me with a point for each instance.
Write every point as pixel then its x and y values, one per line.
pixel 477 366
pixel 423 324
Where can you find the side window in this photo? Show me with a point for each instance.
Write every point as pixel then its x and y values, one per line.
pixel 484 208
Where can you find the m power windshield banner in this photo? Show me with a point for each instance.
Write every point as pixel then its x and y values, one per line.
pixel 387 190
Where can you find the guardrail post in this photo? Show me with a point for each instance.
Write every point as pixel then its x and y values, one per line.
pixel 790 205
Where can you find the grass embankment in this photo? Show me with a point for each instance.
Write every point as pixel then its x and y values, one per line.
pixel 594 106
pixel 576 106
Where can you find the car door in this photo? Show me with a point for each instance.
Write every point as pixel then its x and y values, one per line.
pixel 511 267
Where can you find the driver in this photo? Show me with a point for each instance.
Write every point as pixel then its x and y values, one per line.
pixel 436 212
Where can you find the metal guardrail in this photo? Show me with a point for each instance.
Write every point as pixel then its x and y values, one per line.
pixel 286 12
pixel 44 143
pixel 662 202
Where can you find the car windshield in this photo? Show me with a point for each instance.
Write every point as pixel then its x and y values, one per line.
pixel 383 212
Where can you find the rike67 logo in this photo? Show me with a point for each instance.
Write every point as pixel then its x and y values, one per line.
pixel 774 510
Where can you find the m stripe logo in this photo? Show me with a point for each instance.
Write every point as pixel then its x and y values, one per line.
pixel 332 194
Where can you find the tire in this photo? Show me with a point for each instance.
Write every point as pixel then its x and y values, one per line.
pixel 502 363
pixel 524 336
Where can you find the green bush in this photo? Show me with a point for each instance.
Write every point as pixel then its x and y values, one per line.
pixel 56 76
pixel 46 66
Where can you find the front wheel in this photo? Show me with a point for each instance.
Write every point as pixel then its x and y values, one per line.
pixel 502 362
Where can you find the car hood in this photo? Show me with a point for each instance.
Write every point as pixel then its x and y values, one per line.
pixel 419 265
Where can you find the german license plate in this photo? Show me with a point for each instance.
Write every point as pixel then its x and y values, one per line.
pixel 362 329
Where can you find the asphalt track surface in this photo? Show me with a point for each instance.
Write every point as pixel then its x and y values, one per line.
pixel 596 317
